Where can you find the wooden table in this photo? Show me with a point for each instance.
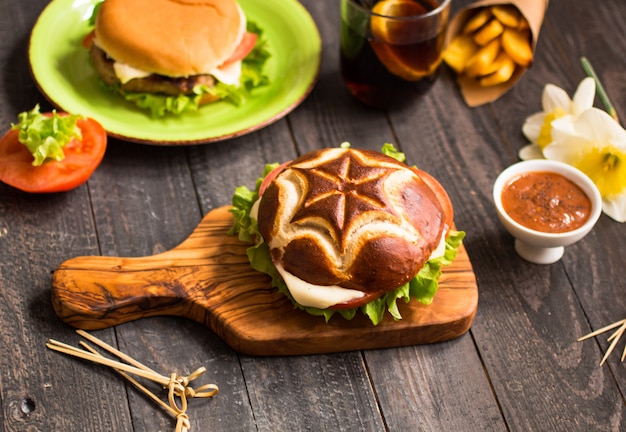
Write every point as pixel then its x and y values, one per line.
pixel 519 367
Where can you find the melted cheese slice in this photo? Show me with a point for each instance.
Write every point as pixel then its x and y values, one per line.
pixel 318 296
pixel 229 74
pixel 440 250
pixel 126 72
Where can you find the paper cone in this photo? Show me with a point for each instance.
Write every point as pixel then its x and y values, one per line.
pixel 473 93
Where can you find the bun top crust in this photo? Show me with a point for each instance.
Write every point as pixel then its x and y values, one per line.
pixel 353 218
pixel 176 38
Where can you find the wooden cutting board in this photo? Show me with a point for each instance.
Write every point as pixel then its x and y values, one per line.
pixel 207 278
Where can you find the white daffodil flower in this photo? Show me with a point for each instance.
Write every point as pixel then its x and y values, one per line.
pixel 595 144
pixel 556 105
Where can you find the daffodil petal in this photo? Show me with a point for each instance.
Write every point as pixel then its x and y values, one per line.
pixel 531 151
pixel 584 96
pixel 532 126
pixel 599 127
pixel 615 208
pixel 563 126
pixel 554 97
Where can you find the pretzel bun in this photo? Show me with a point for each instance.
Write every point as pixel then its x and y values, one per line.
pixel 356 219
pixel 175 38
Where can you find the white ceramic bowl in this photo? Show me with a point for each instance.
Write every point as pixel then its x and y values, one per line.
pixel 536 246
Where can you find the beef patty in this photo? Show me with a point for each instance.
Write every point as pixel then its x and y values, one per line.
pixel 151 84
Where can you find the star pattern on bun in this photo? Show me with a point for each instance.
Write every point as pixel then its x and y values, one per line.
pixel 344 189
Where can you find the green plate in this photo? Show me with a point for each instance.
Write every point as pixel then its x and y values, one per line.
pixel 61 70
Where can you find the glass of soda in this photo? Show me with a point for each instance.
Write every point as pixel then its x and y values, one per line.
pixel 391 49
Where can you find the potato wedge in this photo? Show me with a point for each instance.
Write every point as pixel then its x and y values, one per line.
pixel 488 32
pixel 517 45
pixel 460 49
pixel 477 20
pixel 505 68
pixel 480 62
pixel 508 15
pixel 523 25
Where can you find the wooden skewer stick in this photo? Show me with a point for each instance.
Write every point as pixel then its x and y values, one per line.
pixel 182 419
pixel 68 349
pixel 602 330
pixel 177 386
pixel 134 382
pixel 114 351
pixel 615 337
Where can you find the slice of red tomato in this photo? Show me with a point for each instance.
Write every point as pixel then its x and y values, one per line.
pixel 271 176
pixel 87 41
pixel 440 193
pixel 243 49
pixel 82 157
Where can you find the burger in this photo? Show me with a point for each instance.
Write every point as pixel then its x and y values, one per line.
pixel 172 56
pixel 342 230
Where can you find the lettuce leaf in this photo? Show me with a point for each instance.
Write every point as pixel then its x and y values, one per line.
pixel 45 135
pixel 422 287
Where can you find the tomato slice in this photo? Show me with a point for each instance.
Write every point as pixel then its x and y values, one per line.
pixel 243 49
pixel 440 193
pixel 82 157
pixel 88 40
pixel 271 176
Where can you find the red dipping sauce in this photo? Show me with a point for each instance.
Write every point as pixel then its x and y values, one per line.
pixel 546 201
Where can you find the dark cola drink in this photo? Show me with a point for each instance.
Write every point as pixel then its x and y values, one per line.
pixel 391 49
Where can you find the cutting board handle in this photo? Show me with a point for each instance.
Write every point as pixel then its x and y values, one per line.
pixel 95 292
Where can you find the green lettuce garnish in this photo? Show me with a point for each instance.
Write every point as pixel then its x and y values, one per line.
pixel 422 287
pixel 94 14
pixel 45 136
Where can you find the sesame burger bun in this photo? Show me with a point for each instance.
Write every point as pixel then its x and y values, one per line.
pixel 357 219
pixel 175 38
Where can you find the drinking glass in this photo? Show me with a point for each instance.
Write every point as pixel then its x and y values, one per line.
pixel 391 50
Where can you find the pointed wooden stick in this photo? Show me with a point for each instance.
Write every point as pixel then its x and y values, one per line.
pixel 177 386
pixel 68 349
pixel 615 337
pixel 135 383
pixel 602 330
pixel 114 351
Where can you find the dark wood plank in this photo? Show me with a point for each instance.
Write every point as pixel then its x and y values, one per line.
pixel 439 387
pixel 322 392
pixel 365 127
pixel 40 387
pixel 36 382
pixel 216 173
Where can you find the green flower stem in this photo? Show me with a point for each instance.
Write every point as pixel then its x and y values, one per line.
pixel 604 97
